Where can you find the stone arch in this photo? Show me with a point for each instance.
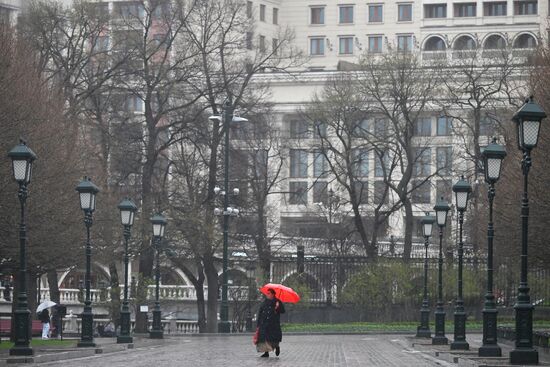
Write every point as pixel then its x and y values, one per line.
pixel 495 41
pixel 434 43
pixel 464 42
pixel 525 40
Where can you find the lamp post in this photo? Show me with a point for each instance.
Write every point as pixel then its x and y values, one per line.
pixel 224 325
pixel 87 192
pixel 492 162
pixel 127 214
pixel 423 330
pixel 528 119
pixel 22 159
pixel 462 190
pixel 441 212
pixel 159 225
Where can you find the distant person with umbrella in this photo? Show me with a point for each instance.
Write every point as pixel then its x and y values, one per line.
pixel 44 317
pixel 268 333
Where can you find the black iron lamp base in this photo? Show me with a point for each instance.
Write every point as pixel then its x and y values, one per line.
pixel 224 327
pixel 524 356
pixel 21 351
pixel 86 344
pixel 490 350
pixel 423 332
pixel 460 345
pixel 124 339
pixel 156 334
pixel 440 340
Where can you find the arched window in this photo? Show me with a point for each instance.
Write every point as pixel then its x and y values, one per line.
pixel 434 44
pixel 525 41
pixel 495 42
pixel 464 43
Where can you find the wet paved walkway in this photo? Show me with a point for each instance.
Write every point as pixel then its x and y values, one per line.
pixel 238 351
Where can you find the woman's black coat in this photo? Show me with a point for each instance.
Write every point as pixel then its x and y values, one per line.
pixel 269 321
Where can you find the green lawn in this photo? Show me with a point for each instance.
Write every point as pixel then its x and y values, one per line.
pixel 362 327
pixel 6 344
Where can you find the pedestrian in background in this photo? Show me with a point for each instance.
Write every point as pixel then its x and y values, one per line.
pixel 45 318
pixel 269 325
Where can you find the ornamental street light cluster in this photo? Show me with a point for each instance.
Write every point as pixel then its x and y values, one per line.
pixel 228 117
pixel 441 213
pixel 423 331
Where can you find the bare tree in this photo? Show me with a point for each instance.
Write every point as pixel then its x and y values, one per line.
pixel 402 90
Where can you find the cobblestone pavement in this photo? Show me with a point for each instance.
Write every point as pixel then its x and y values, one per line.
pixel 296 351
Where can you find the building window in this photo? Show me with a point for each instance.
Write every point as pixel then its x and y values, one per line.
pixel 249 9
pixel 133 104
pixel 381 193
pixel 443 126
pixel 361 129
pixel 298 193
pixel 275 46
pixel 318 15
pixel 360 162
pixel 262 13
pixel 463 10
pixel 346 14
pixel 299 129
pixel 525 7
pixel 102 44
pixel 320 129
pixel 275 16
pixel 423 162
pixel 381 165
pixel 444 189
pixel 444 158
pixel 317 46
pixel 423 126
pixel 249 36
pixel 130 10
pixel 375 14
pixel 486 126
pixel 361 191
pixel 380 128
pixel 345 45
pixel 404 43
pixel 435 11
pixel 320 165
pixel 421 193
pixel 298 163
pixel 320 192
pixel 375 44
pixel 262 43
pixel 494 9
pixel 404 12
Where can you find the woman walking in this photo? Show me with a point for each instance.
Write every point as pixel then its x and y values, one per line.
pixel 269 325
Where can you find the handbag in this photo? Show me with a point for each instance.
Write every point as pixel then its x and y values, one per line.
pixel 256 336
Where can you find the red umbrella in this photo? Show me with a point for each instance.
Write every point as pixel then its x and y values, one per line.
pixel 283 293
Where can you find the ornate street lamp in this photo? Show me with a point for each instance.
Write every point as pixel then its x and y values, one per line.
pixel 462 190
pixel 87 192
pixel 492 162
pixel 224 326
pixel 423 330
pixel 159 225
pixel 441 212
pixel 127 214
pixel 22 159
pixel 528 119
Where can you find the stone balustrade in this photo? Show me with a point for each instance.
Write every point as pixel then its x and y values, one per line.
pixel 74 296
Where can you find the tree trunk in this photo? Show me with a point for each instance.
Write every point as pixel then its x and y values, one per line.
pixel 54 289
pixel 212 302
pixel 409 222
pixel 115 294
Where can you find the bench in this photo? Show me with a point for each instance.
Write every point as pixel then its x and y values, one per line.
pixel 5 327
